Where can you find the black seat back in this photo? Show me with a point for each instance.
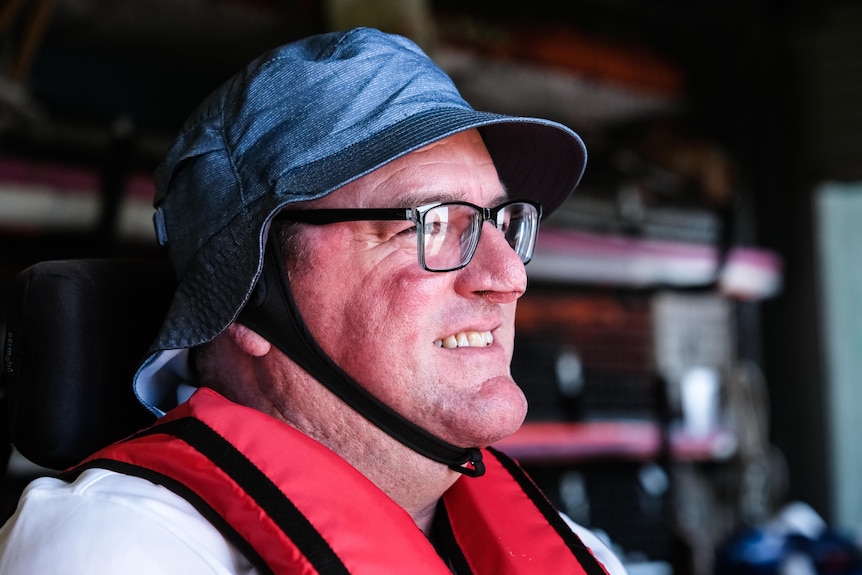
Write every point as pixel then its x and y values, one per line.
pixel 76 331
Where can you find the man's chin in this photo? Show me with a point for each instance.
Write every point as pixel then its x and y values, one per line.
pixel 489 417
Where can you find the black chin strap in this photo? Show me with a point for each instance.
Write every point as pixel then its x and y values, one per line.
pixel 272 313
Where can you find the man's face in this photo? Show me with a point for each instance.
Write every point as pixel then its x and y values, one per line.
pixel 390 324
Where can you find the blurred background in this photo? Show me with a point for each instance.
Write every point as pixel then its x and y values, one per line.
pixel 692 336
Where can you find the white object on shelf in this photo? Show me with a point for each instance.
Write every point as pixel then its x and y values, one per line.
pixel 699 394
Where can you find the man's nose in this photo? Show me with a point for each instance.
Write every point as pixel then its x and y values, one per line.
pixel 496 270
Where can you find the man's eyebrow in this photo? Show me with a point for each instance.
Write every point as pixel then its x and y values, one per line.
pixel 416 199
pixel 422 198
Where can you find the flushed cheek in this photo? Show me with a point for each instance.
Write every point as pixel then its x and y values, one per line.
pixel 382 320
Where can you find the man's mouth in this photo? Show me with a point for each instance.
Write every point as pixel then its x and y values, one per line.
pixel 466 339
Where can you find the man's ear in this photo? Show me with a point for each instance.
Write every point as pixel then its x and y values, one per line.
pixel 248 340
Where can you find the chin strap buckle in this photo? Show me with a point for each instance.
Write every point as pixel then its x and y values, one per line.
pixel 473 466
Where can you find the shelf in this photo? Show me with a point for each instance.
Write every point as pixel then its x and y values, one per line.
pixel 38 197
pixel 572 256
pixel 565 443
pixel 545 91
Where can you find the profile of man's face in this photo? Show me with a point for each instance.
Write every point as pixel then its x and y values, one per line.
pixel 419 340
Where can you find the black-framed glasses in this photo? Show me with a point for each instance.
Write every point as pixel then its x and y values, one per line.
pixel 447 232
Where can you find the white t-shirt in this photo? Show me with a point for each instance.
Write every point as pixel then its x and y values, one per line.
pixel 108 523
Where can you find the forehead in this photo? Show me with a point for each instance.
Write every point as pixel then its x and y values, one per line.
pixel 455 168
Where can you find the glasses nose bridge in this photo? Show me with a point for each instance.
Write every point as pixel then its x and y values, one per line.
pixel 487 215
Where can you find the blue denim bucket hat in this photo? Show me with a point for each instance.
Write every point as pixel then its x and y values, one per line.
pixel 300 122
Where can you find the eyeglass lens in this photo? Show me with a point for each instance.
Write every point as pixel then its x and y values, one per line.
pixel 449 232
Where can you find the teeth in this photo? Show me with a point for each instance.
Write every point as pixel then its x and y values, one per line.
pixel 466 339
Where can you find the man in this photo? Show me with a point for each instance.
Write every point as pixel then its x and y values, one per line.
pixel 350 240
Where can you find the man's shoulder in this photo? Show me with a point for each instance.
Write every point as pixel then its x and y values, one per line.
pixel 119 519
pixel 104 493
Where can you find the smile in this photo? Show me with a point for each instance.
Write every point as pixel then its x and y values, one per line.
pixel 466 339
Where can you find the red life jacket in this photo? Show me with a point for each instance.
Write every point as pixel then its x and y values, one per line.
pixel 292 506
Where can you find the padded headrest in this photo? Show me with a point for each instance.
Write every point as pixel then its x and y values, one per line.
pixel 76 332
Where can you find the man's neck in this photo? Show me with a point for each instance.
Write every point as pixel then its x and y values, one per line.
pixel 413 481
